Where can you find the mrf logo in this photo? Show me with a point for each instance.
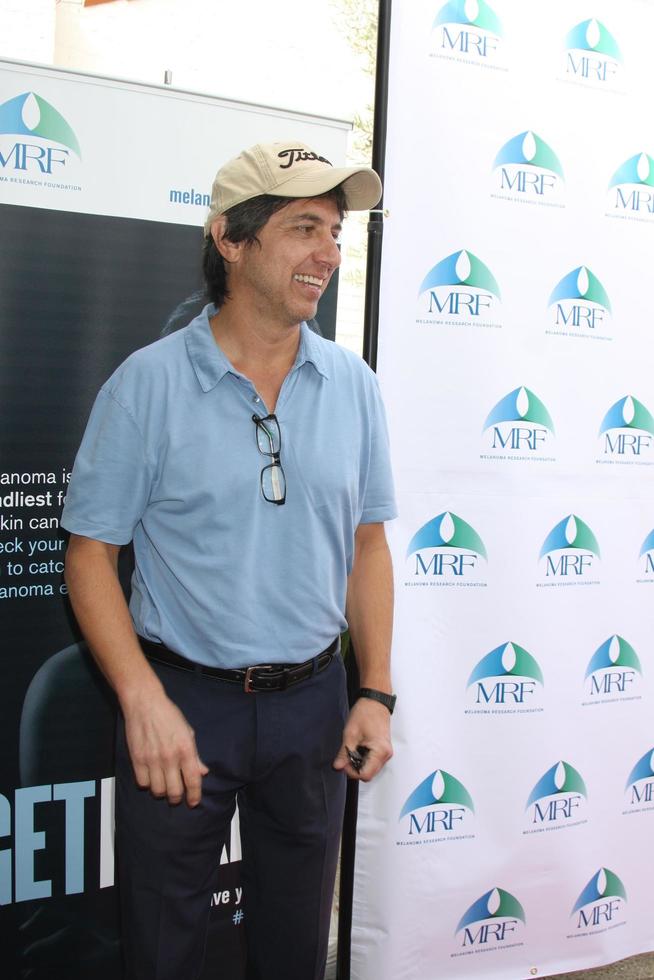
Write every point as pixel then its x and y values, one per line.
pixel 627 430
pixel 647 557
pixel 445 548
pixel 570 550
pixel 491 921
pixel 592 53
pixel 601 903
pixel 440 805
pixel 519 423
pixel 459 289
pixel 469 29
pixel 580 305
pixel 640 784
pixel 613 670
pixel 506 677
pixel 34 137
pixel 557 796
pixel 631 189
pixel 527 168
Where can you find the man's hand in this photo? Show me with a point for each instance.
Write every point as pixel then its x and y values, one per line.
pixel 163 752
pixel 369 726
pixel 161 742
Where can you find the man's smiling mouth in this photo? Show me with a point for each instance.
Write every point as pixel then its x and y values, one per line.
pixel 311 280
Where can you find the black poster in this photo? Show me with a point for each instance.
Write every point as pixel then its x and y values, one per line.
pixel 78 293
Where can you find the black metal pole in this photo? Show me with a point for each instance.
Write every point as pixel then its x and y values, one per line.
pixel 370 334
pixel 376 219
pixel 348 848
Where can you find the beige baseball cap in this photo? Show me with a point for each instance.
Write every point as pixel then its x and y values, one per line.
pixel 288 169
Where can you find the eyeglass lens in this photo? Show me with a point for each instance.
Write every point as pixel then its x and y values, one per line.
pixel 268 436
pixel 273 482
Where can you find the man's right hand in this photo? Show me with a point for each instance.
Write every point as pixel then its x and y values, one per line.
pixel 163 751
pixel 160 740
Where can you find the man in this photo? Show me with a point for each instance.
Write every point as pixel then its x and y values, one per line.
pixel 247 459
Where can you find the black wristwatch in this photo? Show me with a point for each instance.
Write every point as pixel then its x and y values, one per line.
pixel 388 700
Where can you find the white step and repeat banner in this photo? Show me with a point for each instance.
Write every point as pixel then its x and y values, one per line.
pixel 511 835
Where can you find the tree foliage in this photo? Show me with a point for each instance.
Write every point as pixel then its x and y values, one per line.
pixel 359 24
pixel 357 21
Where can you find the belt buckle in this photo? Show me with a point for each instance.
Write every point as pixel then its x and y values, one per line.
pixel 247 683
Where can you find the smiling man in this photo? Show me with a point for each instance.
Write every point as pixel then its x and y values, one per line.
pixel 247 460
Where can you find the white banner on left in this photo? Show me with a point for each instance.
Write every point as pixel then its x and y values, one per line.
pixel 94 145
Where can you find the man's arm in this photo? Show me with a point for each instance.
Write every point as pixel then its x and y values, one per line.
pixel 160 740
pixel 369 613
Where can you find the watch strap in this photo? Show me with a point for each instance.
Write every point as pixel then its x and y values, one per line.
pixel 388 700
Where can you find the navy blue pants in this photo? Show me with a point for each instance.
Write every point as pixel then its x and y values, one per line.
pixel 272 752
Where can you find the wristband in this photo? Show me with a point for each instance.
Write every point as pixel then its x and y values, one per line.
pixel 388 700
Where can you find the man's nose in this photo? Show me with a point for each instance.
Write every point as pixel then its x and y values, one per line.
pixel 328 252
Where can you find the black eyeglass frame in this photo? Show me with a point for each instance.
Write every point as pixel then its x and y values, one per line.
pixel 275 459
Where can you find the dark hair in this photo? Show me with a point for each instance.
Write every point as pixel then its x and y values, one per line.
pixel 244 222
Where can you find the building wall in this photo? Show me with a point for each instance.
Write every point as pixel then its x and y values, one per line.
pixel 27 31
pixel 288 53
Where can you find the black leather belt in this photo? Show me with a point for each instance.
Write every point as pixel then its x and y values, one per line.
pixel 261 677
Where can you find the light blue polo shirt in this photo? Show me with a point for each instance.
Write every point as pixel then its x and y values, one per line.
pixel 169 460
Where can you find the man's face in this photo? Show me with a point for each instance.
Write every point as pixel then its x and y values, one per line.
pixel 286 274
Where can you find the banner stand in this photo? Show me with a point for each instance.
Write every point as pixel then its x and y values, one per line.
pixel 100 245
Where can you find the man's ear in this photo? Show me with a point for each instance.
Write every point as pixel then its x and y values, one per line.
pixel 230 251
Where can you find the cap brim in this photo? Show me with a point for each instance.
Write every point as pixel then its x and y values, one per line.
pixel 362 186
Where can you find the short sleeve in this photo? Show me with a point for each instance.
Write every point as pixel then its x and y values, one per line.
pixel 111 479
pixel 378 493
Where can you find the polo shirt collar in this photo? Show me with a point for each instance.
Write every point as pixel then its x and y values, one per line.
pixel 211 364
pixel 311 350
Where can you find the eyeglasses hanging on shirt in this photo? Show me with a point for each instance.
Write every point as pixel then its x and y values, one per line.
pixel 269 443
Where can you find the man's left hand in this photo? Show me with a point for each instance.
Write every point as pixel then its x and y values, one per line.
pixel 368 727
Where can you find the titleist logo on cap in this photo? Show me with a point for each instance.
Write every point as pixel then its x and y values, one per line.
pixel 298 155
pixel 288 169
